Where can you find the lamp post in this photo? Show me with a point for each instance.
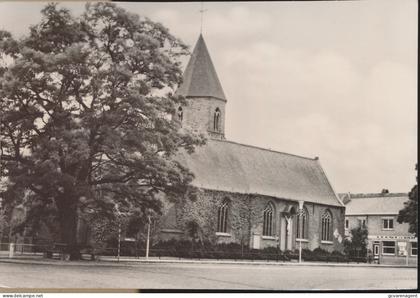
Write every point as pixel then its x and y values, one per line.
pixel 148 237
pixel 300 213
pixel 119 240
pixel 119 232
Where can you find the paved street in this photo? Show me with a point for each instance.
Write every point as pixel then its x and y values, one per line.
pixel 205 276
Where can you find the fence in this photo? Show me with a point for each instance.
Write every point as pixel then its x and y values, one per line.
pixel 57 250
pixel 256 255
pixel 23 249
pixel 31 249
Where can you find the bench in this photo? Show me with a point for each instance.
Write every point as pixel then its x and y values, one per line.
pixel 56 248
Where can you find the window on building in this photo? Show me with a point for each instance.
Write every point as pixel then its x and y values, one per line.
pixel 388 247
pixel 216 120
pixel 302 224
pixel 414 248
pixel 326 231
pixel 362 223
pixel 387 223
pixel 222 217
pixel 180 114
pixel 402 248
pixel 268 220
pixel 347 223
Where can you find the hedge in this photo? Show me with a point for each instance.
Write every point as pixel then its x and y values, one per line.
pixel 206 250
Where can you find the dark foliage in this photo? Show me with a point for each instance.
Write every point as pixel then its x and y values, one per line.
pixel 357 245
pixel 410 212
pixel 86 125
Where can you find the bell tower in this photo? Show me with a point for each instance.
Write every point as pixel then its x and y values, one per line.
pixel 205 111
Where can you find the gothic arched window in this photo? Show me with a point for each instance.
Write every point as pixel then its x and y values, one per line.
pixel 216 120
pixel 222 216
pixel 302 219
pixel 180 114
pixel 326 230
pixel 268 220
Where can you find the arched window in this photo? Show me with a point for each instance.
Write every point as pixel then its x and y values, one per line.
pixel 302 224
pixel 216 120
pixel 268 220
pixel 326 221
pixel 222 217
pixel 180 114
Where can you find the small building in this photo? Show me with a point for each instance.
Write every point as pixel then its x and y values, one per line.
pixel 389 241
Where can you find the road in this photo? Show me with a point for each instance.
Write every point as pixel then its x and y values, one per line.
pixel 206 276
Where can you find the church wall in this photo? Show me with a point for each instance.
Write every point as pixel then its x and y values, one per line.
pixel 338 228
pixel 245 221
pixel 199 112
pixel 315 212
pixel 267 241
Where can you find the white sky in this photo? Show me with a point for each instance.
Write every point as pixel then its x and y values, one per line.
pixel 334 79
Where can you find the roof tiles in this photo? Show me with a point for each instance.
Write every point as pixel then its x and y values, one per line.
pixel 379 205
pixel 200 77
pixel 233 167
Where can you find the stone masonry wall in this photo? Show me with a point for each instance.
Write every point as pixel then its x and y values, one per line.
pixel 245 220
pixel 199 113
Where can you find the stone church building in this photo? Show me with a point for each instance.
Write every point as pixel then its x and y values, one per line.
pixel 249 195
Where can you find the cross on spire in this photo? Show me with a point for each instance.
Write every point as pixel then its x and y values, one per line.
pixel 202 11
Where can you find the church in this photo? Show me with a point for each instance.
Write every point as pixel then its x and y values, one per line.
pixel 248 195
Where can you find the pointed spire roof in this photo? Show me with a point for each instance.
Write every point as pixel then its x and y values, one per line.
pixel 200 77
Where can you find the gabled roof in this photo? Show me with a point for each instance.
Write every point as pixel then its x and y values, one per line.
pixel 233 167
pixel 376 205
pixel 200 77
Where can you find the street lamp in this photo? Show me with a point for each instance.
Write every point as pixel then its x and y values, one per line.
pixel 148 237
pixel 119 232
pixel 119 239
pixel 300 214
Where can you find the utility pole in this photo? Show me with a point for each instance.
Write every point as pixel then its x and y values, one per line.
pixel 300 214
pixel 148 237
pixel 119 240
pixel 119 232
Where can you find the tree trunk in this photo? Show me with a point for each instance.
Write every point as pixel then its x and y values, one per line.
pixel 68 227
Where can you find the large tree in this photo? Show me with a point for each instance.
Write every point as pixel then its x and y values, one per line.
pixel 86 124
pixel 409 214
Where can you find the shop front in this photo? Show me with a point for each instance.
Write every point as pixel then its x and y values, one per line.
pixel 393 250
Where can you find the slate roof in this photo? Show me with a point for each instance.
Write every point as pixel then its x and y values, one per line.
pixel 200 78
pixel 233 167
pixel 376 205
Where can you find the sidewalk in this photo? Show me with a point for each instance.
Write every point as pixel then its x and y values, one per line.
pixel 133 261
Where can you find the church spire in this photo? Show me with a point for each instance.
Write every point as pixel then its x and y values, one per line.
pixel 200 77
